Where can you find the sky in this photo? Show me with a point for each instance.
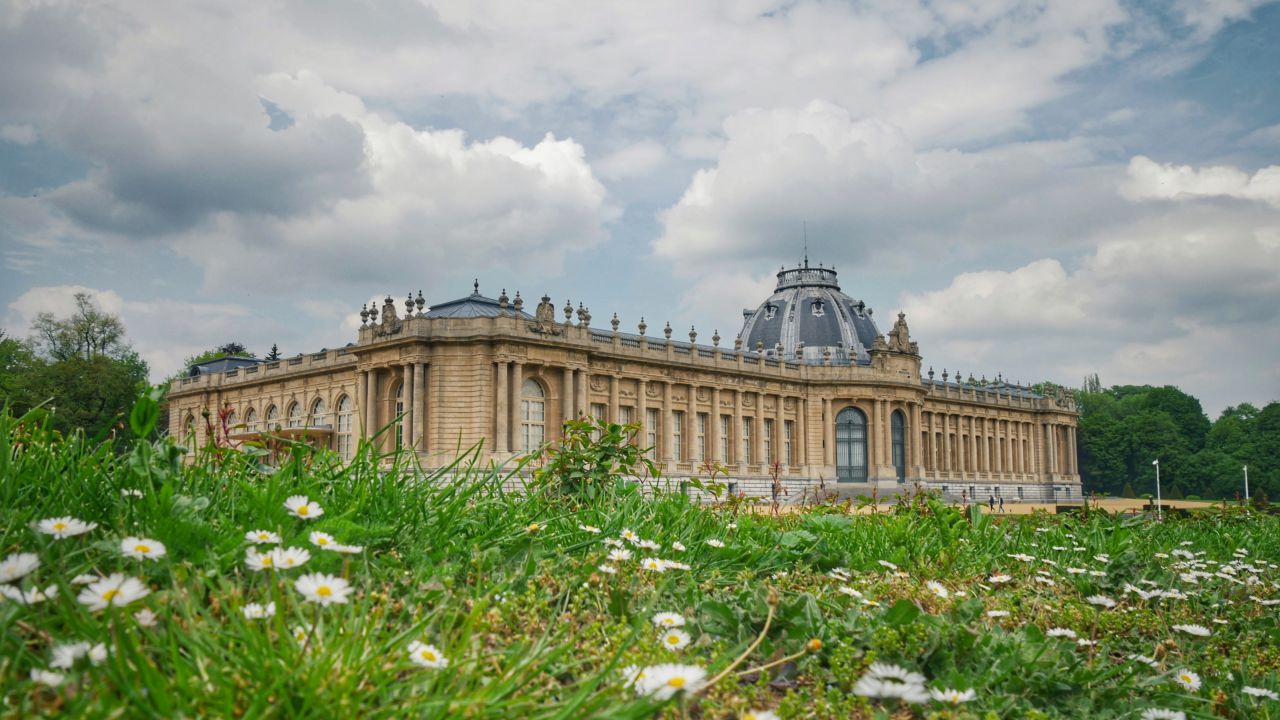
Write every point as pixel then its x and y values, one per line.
pixel 1047 189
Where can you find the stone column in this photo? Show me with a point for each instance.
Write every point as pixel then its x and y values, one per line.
pixel 642 412
pixel 931 445
pixel 419 393
pixel 501 413
pixel 612 411
pixel 668 432
pixel 1073 460
pixel 371 402
pixel 361 387
pixel 1051 431
pixel 946 442
pixel 735 432
pixel 975 467
pixel 517 392
pixel 757 427
pixel 986 445
pixel 828 434
pixel 406 395
pixel 583 379
pixel 713 428
pixel 801 456
pixel 566 398
pixel 1010 467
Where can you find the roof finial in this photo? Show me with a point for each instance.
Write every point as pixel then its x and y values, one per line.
pixel 475 286
pixel 804 224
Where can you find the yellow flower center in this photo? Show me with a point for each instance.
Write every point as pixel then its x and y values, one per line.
pixel 142 549
pixel 303 509
pixel 324 591
pixel 59 526
pixel 428 656
pixel 676 682
pixel 322 541
pixel 108 595
pixel 266 560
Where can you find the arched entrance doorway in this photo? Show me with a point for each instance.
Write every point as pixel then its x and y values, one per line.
pixel 851 446
pixel 899 423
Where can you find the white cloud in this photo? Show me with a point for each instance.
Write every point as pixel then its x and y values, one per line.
pixel 1149 180
pixel 637 159
pixel 1190 300
pixel 21 134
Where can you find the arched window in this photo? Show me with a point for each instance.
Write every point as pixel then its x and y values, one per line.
pixel 232 421
pixel 273 418
pixel 344 427
pixel 295 414
pixel 851 446
pixel 250 420
pixel 399 412
pixel 189 430
pixel 317 414
pixel 899 444
pixel 533 430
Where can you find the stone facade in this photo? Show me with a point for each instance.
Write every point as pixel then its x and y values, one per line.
pixel 479 370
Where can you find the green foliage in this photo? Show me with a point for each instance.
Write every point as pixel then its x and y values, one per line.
pixel 592 457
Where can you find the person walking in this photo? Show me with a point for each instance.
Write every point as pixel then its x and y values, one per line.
pixel 1001 503
pixel 991 502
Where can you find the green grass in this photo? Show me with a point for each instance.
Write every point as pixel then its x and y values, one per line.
pixel 533 628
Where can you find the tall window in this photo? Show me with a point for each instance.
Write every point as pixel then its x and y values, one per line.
pixel 788 441
pixel 700 449
pixel 232 421
pixel 851 445
pixel 344 427
pixel 597 413
pixel 399 412
pixel 746 441
pixel 189 431
pixel 724 439
pixel 317 413
pixel 250 420
pixel 295 414
pixel 533 414
pixel 768 442
pixel 273 417
pixel 900 444
pixel 651 431
pixel 626 416
pixel 677 436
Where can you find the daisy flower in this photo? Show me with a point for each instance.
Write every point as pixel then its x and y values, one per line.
pixel 883 680
pixel 619 555
pixel 257 611
pixel 347 549
pixel 675 565
pixel 46 677
pixel 997 579
pixel 323 589
pixel 629 536
pixel 1163 714
pixel 259 561
pixel 653 565
pixel 285 558
pixel 888 564
pixel 845 589
pixel 713 542
pixel 66 654
pixel 98 653
pixel 300 507
pixel 1260 692
pixel 668 619
pixel 64 527
pixel 262 537
pixel 1061 632
pixel 759 715
pixel 678 546
pixel 630 674
pixel 1191 629
pixel 589 528
pixel 1101 600
pixel 18 565
pixel 116 589
pixel 28 597
pixel 130 492
pixel 1187 679
pixel 1082 642
pixel 648 545
pixel 607 569
pixel 320 539
pixel 952 697
pixel 998 613
pixel 142 548
pixel 661 682
pixel 302 632
pixel 427 655
pixel 1149 661
pixel 85 579
pixel 675 639
pixel 145 617
pixel 937 589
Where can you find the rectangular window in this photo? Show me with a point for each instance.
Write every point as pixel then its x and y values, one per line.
pixel 768 442
pixel 677 436
pixel 746 440
pixel 724 439
pixel 598 414
pixel 701 448
pixel 651 432
pixel 626 416
pixel 788 441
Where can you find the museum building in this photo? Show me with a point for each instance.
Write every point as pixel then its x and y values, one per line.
pixel 809 391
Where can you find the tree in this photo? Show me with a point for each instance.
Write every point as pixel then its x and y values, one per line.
pixel 87 334
pixel 231 349
pixel 274 354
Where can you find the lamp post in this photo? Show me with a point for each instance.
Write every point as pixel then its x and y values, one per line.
pixel 1156 462
pixel 1246 483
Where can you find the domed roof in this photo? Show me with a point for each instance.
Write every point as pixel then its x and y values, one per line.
pixel 808 313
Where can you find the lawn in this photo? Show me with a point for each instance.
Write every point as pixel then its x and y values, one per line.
pixel 251 585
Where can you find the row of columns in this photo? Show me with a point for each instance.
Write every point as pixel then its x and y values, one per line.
pixel 1061 449
pixel 574 402
pixel 965 443
pixel 415 382
pixel 880 431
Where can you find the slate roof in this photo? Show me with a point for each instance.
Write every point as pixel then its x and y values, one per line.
pixel 221 365
pixel 472 306
pixel 808 307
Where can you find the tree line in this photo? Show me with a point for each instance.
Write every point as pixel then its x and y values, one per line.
pixel 1123 428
